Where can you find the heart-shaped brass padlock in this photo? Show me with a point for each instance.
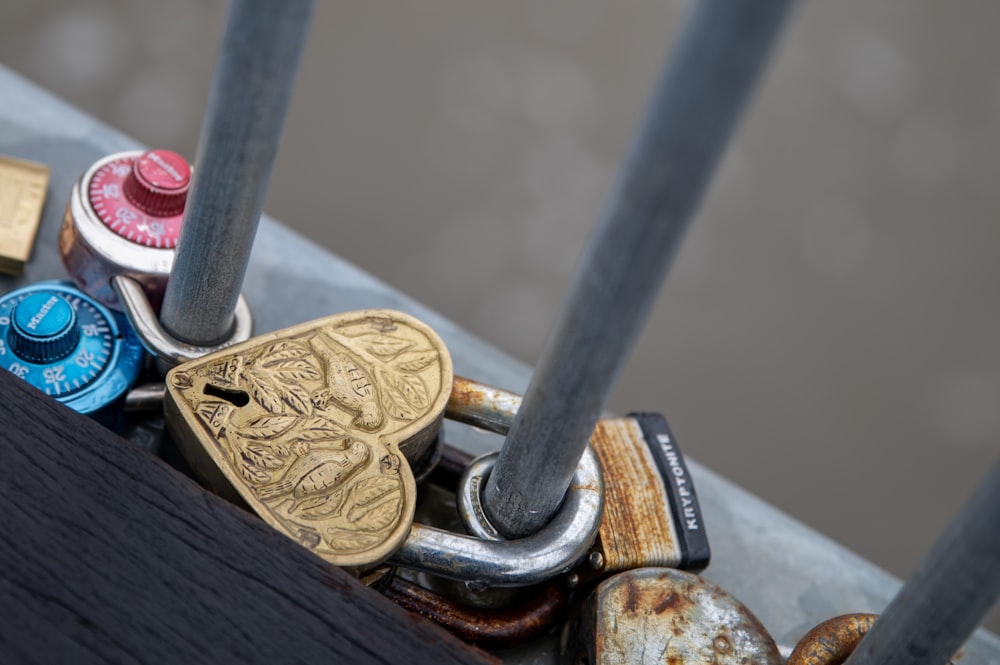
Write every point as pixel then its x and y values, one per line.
pixel 314 426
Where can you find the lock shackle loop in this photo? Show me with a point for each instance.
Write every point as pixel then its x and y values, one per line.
pixel 165 347
pixel 522 562
pixel 479 405
pixel 482 563
pixel 832 641
pixel 488 628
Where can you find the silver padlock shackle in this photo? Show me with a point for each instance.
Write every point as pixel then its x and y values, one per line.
pixel 553 550
pixel 479 405
pixel 165 347
pixel 507 563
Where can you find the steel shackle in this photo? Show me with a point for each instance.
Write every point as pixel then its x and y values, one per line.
pixel 832 641
pixel 485 560
pixel 166 348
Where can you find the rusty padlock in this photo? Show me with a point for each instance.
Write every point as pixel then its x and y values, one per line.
pixel 646 473
pixel 652 484
pixel 651 518
pixel 831 642
pixel 660 615
pixel 495 618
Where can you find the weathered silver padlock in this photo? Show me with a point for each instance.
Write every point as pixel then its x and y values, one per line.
pixel 652 616
pixel 647 515
pixel 483 559
pixel 651 514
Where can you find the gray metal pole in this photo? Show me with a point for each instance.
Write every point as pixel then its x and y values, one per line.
pixel 254 76
pixel 722 50
pixel 948 595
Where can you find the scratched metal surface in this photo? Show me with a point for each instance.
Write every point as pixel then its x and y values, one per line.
pixel 789 575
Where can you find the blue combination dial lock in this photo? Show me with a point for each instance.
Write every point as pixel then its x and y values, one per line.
pixel 68 345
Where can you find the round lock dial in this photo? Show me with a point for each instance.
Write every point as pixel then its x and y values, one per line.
pixel 142 198
pixel 124 218
pixel 67 345
pixel 43 327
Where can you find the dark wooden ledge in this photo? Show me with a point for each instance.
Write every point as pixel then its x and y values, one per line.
pixel 109 555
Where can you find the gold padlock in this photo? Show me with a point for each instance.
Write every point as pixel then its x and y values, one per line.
pixel 314 427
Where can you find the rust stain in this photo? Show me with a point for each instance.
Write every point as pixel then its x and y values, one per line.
pixel 636 528
pixel 668 616
pixel 631 597
pixel 489 628
pixel 722 644
pixel 831 642
pixel 467 393
pixel 672 601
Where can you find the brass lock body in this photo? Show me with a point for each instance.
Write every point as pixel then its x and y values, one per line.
pixel 314 427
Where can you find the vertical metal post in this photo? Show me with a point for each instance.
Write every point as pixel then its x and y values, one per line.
pixel 722 49
pixel 948 595
pixel 254 76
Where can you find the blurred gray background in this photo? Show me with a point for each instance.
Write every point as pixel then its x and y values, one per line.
pixel 829 335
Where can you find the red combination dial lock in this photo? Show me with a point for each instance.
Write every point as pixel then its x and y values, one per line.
pixel 124 218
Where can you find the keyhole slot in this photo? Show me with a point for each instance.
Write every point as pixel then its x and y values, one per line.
pixel 234 397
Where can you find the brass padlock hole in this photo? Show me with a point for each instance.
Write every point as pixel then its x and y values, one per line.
pixel 234 397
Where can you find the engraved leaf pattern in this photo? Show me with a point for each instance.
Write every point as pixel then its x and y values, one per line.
pixel 322 507
pixel 404 396
pixel 297 397
pixel 294 369
pixel 384 345
pixel 284 350
pixel 252 474
pixel 414 361
pixel 376 517
pixel 315 502
pixel 316 428
pixel 267 427
pixel 349 541
pixel 396 407
pixel 261 457
pixel 266 394
pixel 273 394
pixel 292 412
pixel 370 490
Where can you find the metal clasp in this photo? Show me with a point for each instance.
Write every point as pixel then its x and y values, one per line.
pixel 484 559
pixel 168 349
